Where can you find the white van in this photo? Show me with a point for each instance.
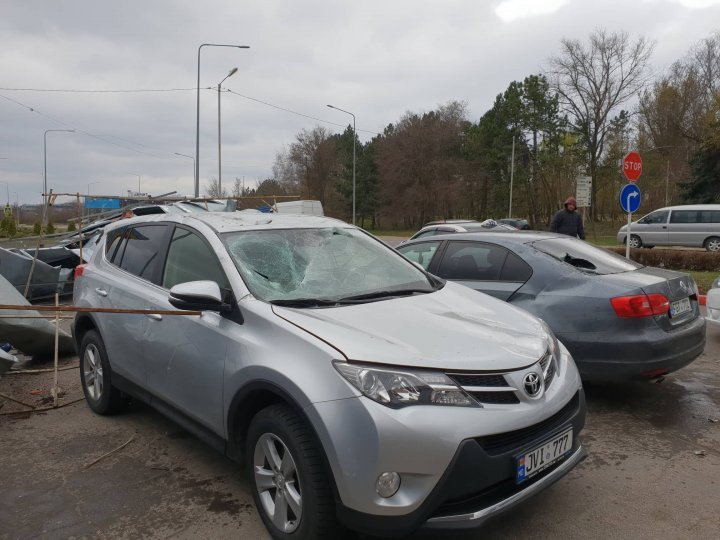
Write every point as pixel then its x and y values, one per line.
pixel 308 208
pixel 692 225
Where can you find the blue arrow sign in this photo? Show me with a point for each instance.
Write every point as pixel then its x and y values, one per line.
pixel 630 198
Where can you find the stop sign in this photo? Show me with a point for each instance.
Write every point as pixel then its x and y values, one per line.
pixel 632 166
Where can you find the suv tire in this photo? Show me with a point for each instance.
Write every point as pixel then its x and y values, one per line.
pixel 96 376
pixel 285 465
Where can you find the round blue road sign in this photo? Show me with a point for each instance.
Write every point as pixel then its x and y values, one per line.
pixel 630 198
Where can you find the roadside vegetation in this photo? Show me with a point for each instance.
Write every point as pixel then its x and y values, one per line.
pixel 575 118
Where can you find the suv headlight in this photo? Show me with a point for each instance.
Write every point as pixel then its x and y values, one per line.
pixel 551 360
pixel 399 387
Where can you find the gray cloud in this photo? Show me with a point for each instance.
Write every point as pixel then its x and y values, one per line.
pixel 377 59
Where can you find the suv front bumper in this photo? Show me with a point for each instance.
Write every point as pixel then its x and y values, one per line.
pixel 479 483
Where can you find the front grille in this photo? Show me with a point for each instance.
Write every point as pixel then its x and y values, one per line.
pixel 505 442
pixel 476 379
pixel 496 398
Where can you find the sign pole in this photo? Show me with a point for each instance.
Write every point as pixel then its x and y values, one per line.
pixel 627 238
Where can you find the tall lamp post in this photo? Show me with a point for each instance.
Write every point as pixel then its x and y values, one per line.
pixel 189 157
pixel 354 137
pixel 8 186
pixel 45 153
pixel 232 72
pixel 138 177
pixel 197 112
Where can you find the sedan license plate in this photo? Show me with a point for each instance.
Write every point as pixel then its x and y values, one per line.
pixel 679 307
pixel 540 458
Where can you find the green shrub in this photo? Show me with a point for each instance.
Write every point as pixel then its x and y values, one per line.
pixel 36 228
pixel 50 229
pixel 71 226
pixel 674 259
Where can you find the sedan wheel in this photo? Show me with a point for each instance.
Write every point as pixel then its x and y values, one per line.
pixel 635 241
pixel 277 483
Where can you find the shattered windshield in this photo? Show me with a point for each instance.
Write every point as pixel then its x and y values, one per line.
pixel 584 256
pixel 322 264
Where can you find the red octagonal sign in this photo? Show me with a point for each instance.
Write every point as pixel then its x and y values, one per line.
pixel 632 166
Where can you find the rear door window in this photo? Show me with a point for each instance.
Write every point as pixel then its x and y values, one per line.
pixel 421 253
pixel 472 261
pixel 144 251
pixel 515 269
pixel 190 258
pixel 684 216
pixel 710 216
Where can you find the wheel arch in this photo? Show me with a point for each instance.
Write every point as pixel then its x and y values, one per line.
pixel 83 323
pixel 250 400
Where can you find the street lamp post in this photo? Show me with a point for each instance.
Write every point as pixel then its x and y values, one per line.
pixel 353 176
pixel 138 177
pixel 197 112
pixel 189 157
pixel 232 72
pixel 45 153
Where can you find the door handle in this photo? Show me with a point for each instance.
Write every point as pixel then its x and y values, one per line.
pixel 154 316
pixel 664 226
pixel 101 292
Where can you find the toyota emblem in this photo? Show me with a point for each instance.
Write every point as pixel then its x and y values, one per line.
pixel 533 384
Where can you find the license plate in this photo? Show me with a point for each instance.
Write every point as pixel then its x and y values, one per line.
pixel 679 307
pixel 540 458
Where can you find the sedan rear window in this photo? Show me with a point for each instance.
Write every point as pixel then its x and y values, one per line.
pixel 584 256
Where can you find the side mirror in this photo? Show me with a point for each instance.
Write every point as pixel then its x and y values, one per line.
pixel 197 296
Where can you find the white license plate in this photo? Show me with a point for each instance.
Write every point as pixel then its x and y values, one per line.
pixel 679 307
pixel 540 458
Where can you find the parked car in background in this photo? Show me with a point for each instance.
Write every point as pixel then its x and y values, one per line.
pixel 447 228
pixel 713 302
pixel 696 225
pixel 518 223
pixel 323 360
pixel 450 222
pixel 619 319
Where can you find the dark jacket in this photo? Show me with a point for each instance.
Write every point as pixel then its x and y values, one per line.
pixel 570 223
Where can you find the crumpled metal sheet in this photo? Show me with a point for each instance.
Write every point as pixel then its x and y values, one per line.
pixel 34 337
pixel 7 361
pixel 15 267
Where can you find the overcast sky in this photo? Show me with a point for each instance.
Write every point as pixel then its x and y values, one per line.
pixel 377 59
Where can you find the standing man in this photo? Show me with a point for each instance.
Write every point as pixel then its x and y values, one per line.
pixel 568 221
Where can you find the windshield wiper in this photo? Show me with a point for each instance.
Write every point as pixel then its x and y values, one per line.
pixel 383 294
pixel 304 302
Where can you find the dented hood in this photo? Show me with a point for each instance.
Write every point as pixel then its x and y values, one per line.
pixel 454 328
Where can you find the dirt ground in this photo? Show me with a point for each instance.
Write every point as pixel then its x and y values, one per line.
pixel 653 469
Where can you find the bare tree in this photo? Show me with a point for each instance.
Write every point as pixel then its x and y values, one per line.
pixel 213 190
pixel 594 79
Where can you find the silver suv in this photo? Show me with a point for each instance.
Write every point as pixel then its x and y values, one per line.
pixel 358 390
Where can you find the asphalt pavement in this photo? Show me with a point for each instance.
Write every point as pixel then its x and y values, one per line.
pixel 653 469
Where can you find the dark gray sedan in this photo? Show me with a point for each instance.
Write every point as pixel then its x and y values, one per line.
pixel 619 319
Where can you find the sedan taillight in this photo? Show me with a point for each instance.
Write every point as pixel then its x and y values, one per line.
pixel 79 269
pixel 641 305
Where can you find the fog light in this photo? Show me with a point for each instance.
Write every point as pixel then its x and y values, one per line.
pixel 387 484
